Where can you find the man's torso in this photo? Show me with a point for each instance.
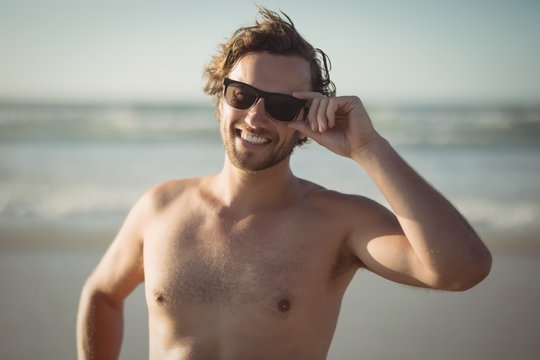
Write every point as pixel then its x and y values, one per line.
pixel 221 283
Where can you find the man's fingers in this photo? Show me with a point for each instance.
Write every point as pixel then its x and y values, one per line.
pixel 331 110
pixel 313 111
pixel 323 110
pixel 317 117
pixel 322 119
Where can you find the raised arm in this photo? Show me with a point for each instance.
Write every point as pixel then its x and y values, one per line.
pixel 439 249
pixel 100 315
pixel 428 242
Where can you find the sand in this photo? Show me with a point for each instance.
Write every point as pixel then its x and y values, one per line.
pixel 42 270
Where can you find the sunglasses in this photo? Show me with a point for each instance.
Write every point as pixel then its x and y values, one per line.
pixel 281 107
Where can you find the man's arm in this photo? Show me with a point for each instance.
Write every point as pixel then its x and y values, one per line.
pixel 100 315
pixel 439 248
pixel 427 242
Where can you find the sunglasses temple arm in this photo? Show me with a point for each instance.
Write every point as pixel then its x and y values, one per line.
pixel 306 110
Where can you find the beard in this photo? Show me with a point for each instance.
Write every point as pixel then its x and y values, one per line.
pixel 256 161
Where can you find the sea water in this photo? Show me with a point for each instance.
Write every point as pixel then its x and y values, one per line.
pixel 86 164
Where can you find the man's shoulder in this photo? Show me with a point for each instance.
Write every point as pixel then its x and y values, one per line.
pixel 164 193
pixel 318 192
pixel 338 202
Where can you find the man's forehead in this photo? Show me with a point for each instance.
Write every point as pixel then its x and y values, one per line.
pixel 264 68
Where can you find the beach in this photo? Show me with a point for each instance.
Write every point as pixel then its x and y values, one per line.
pixel 498 319
pixel 69 174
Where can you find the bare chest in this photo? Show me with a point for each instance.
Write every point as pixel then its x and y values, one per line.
pixel 270 263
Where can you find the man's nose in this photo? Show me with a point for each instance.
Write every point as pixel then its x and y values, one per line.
pixel 256 115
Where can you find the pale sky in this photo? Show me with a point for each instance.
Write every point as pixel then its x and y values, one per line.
pixel 418 51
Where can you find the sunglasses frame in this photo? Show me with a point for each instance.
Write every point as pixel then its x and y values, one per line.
pixel 260 94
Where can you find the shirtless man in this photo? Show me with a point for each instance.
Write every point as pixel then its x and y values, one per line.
pixel 253 262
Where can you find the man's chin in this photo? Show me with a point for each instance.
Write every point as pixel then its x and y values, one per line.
pixel 249 162
pixel 250 166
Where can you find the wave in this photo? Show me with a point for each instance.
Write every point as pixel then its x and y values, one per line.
pixel 104 122
pixel 433 126
pixel 109 205
pixel 484 126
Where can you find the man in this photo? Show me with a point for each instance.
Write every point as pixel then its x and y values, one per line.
pixel 253 262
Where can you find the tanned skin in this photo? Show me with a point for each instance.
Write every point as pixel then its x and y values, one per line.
pixel 253 263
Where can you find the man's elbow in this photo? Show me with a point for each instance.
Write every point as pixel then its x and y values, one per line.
pixel 471 274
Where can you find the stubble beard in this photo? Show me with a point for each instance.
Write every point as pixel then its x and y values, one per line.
pixel 251 161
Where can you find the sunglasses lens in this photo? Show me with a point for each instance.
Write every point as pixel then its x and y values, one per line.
pixel 240 96
pixel 283 108
pixel 280 107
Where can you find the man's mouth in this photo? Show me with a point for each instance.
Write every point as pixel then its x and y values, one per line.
pixel 251 137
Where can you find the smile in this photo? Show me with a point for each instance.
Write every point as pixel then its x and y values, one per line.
pixel 252 138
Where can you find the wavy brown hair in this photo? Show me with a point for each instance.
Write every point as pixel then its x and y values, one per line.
pixel 272 34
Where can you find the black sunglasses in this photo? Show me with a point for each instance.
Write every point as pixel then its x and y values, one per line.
pixel 281 107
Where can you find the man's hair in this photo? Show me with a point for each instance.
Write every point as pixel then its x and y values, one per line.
pixel 274 35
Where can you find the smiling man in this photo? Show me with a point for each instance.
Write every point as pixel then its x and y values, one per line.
pixel 253 262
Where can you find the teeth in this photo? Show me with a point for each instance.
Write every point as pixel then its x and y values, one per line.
pixel 253 138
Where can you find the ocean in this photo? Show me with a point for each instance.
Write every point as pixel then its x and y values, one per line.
pixel 86 164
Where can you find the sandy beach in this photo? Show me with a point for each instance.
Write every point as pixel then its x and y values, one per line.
pixel 42 270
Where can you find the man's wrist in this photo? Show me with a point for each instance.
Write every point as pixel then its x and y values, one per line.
pixel 371 148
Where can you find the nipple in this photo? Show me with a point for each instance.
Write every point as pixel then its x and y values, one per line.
pixel 284 305
pixel 160 299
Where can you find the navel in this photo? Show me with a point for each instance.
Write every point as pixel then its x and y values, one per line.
pixel 284 305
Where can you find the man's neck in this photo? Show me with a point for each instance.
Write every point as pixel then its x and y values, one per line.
pixel 246 191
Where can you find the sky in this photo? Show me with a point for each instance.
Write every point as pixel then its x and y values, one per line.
pixel 389 51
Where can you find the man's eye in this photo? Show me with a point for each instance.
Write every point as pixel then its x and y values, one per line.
pixel 239 94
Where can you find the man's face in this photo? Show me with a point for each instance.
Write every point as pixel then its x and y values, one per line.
pixel 254 141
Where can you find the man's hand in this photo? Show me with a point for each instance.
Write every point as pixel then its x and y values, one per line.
pixel 340 124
